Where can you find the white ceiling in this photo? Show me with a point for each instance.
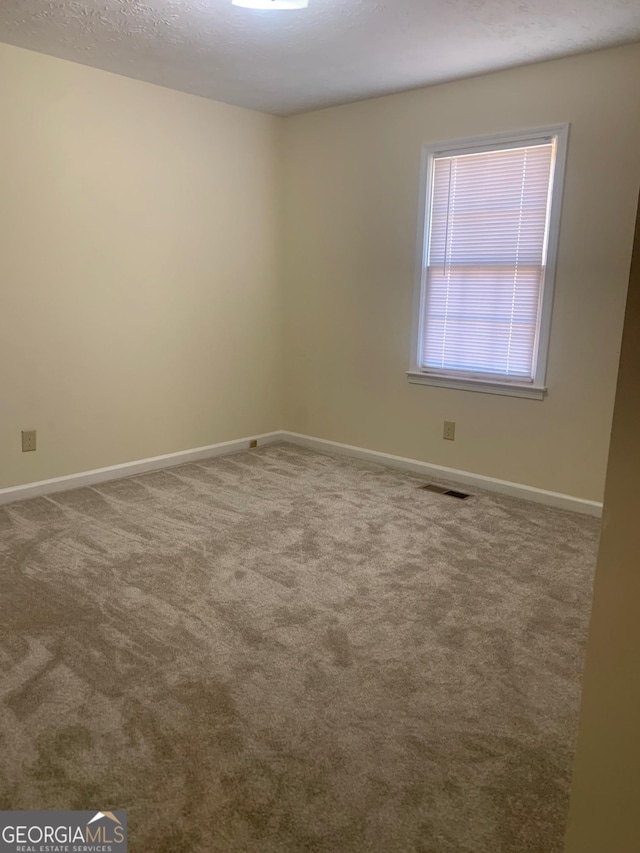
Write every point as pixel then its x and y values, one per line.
pixel 333 52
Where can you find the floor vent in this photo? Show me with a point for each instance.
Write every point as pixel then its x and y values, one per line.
pixel 443 490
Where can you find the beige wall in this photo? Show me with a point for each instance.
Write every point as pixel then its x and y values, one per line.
pixel 139 304
pixel 145 283
pixel 604 816
pixel 351 205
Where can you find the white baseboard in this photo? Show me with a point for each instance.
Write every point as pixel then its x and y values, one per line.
pixel 128 469
pixel 491 484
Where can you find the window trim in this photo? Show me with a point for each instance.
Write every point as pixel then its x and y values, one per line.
pixel 472 145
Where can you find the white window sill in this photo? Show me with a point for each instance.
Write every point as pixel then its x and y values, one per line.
pixel 484 386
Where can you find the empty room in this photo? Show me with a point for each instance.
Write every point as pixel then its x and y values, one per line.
pixel 319 408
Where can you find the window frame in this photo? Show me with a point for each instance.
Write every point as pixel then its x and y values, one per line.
pixel 467 381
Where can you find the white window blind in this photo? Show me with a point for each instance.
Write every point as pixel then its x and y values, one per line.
pixel 487 243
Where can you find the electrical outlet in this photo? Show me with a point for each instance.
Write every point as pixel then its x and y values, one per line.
pixel 28 440
pixel 253 443
pixel 449 432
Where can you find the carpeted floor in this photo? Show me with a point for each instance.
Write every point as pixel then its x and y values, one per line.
pixel 283 651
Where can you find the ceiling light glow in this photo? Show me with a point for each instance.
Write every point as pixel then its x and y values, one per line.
pixel 271 5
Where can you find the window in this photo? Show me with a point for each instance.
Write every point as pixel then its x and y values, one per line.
pixel 485 289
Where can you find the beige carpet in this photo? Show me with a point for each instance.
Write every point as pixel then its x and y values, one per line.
pixel 286 651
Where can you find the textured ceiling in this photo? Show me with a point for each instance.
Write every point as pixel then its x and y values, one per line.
pixel 333 52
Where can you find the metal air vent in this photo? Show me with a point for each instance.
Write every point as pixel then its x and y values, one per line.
pixel 445 490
